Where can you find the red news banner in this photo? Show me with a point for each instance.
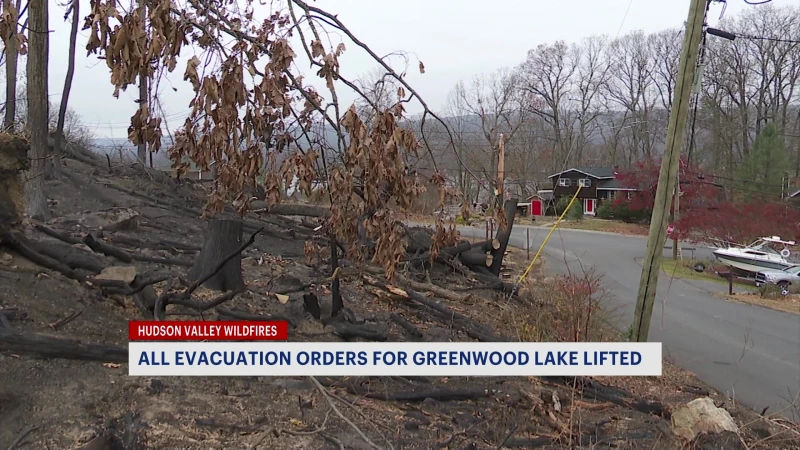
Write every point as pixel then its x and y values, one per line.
pixel 207 331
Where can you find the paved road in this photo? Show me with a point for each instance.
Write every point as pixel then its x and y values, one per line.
pixel 750 352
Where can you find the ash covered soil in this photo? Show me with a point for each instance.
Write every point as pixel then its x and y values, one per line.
pixel 55 403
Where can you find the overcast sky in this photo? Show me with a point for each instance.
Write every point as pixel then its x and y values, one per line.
pixel 456 40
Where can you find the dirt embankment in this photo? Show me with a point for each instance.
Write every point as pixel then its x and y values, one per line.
pixel 65 404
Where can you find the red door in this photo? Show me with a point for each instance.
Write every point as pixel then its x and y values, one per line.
pixel 589 206
pixel 536 207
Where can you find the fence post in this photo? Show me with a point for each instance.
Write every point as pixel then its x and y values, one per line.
pixel 527 243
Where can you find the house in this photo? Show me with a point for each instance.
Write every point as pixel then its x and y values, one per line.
pixel 598 184
pixel 541 203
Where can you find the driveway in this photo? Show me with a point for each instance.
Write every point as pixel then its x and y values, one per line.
pixel 750 352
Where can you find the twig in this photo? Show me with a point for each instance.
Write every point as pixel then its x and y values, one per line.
pixel 206 306
pixel 60 323
pixel 15 444
pixel 325 394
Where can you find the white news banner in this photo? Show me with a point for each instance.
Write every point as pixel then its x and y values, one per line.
pixel 394 359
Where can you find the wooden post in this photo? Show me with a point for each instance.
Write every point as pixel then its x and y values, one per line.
pixel 669 170
pixel 501 172
pixel 528 243
pixel 730 283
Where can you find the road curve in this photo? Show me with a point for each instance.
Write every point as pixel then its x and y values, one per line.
pixel 748 351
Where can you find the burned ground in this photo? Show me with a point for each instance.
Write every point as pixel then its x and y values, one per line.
pixel 62 404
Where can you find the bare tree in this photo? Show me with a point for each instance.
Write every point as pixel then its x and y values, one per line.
pixel 548 76
pixel 501 108
pixel 62 111
pixel 631 87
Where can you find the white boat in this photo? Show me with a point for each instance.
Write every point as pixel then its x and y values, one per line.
pixel 759 255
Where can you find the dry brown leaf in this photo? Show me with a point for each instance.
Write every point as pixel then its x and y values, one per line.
pixel 111 365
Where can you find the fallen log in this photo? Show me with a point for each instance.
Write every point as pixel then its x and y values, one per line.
pixel 475 258
pixel 161 244
pixel 50 347
pixel 19 243
pixel 74 259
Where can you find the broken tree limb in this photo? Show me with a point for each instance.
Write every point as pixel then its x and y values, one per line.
pixel 347 331
pixel 406 325
pixel 58 235
pixel 51 347
pixel 225 314
pixel 285 209
pixel 503 235
pixel 98 246
pixel 202 307
pixel 414 395
pixel 441 312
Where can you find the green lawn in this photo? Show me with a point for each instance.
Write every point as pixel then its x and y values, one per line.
pixel 685 269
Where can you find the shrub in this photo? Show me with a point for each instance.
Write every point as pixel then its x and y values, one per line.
pixel 575 212
pixel 604 211
pixel 567 308
pixel 627 212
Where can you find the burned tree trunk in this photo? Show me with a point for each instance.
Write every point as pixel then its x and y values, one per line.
pixel 503 235
pixel 223 237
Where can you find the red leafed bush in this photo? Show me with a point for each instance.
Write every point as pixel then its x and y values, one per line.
pixel 697 191
pixel 740 222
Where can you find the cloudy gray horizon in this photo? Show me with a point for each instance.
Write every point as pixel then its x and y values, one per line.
pixel 455 40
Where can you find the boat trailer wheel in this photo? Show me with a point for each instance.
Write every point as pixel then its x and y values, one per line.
pixel 699 267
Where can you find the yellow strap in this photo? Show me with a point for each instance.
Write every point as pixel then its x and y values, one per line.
pixel 541 247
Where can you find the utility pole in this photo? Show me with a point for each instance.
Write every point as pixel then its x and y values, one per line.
pixel 667 178
pixel 501 172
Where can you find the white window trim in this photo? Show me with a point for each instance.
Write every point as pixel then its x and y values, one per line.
pixel 564 182
pixel 585 182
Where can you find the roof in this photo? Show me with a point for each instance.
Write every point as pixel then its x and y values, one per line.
pixel 612 184
pixel 795 194
pixel 545 195
pixel 596 172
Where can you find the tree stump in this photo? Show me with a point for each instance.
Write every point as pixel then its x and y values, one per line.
pixel 223 237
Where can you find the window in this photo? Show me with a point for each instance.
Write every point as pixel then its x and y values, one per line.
pixel 584 182
pixel 564 182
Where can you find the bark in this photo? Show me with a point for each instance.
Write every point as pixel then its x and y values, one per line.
pixel 62 111
pixel 38 105
pixel 12 57
pixel 503 236
pixel 223 237
pixel 476 258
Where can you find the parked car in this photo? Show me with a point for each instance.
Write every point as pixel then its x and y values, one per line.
pixel 783 278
